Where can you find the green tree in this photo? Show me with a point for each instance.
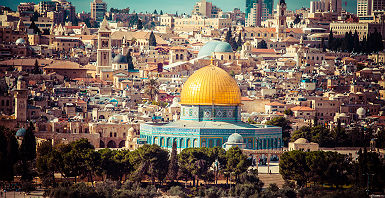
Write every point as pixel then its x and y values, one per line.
pixel 36 29
pixel 262 45
pixel 194 164
pixel 9 152
pixel 139 24
pixel 155 12
pixel 27 154
pixel 109 165
pixel 284 124
pixel 129 61
pixel 217 155
pixel 339 135
pixel 370 166
pixel 237 162
pixel 331 43
pixel 161 12
pixel 44 166
pixel 152 39
pixel 303 132
pixel 292 166
pixel 152 88
pixel 36 68
pixel 173 166
pixel 228 36
pixel 151 161
pixel 288 112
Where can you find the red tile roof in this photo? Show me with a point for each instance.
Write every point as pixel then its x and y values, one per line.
pixel 302 108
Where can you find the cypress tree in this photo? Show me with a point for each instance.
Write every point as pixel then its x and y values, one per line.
pixel 8 154
pixel 331 41
pixel 356 42
pixel 139 24
pixel 36 29
pixel 152 39
pixel 363 45
pixel 228 36
pixel 173 167
pixel 239 41
pixel 28 145
pixel 350 42
pixel 233 43
pixel 36 69
pixel 27 154
pixel 155 12
pixel 161 12
pixel 262 45
pixel 380 42
pixel 129 61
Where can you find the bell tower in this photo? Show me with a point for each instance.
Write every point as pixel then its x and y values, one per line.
pixel 281 20
pixel 21 98
pixel 104 53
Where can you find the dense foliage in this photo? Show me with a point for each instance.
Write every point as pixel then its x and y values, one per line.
pixel 352 43
pixel 333 169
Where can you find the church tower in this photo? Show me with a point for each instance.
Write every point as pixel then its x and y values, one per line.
pixel 104 55
pixel 281 20
pixel 21 98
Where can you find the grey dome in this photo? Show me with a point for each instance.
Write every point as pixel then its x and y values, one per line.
pixel 235 138
pixel 20 41
pixel 214 46
pixel 120 59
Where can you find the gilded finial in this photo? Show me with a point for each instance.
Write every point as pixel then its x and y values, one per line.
pixel 212 60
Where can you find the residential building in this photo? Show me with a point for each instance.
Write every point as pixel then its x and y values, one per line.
pixel 98 10
pixel 206 9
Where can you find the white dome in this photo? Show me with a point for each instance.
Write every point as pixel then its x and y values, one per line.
pixel 301 141
pixel 235 138
pixel 20 41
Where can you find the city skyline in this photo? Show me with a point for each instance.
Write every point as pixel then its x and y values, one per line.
pixel 182 6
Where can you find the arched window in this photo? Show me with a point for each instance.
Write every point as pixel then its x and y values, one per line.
pixel 169 144
pixel 204 144
pixel 211 143
pixel 188 141
pixel 181 57
pixel 219 142
pixel 181 143
pixel 111 144
pixel 176 56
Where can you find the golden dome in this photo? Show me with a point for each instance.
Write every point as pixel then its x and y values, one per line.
pixel 211 85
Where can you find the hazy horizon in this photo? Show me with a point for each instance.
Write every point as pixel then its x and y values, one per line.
pixel 172 6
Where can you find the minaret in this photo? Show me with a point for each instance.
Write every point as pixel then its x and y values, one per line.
pixel 104 53
pixel 281 20
pixel 21 98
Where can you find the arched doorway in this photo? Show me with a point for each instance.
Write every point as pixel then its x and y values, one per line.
pixel 122 144
pixel 102 145
pixel 111 144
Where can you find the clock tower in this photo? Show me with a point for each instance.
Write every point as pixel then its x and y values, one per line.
pixel 104 53
pixel 281 20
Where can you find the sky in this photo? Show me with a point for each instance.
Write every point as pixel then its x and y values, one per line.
pixel 171 6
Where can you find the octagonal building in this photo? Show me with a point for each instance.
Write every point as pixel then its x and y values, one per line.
pixel 210 114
